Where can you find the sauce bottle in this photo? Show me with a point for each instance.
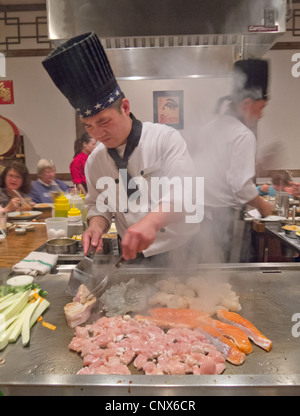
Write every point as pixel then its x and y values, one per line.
pixel 75 226
pixel 61 206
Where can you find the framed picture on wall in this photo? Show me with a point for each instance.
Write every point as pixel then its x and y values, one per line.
pixel 168 108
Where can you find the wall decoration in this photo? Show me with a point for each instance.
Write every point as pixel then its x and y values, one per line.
pixel 6 92
pixel 168 108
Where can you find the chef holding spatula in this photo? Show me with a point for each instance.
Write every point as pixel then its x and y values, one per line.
pixel 124 169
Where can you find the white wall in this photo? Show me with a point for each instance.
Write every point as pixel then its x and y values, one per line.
pixel 47 121
pixel 280 127
pixel 41 113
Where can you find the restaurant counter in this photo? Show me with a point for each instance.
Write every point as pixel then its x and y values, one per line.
pixel 16 247
pixel 280 234
pixel 269 296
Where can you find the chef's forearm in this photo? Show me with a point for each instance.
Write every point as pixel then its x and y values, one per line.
pixel 100 222
pixel 163 216
pixel 264 207
pixel 81 188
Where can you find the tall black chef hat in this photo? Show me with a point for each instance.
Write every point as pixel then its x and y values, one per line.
pixel 81 71
pixel 250 79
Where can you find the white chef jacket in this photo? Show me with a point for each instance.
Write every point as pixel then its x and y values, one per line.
pixel 161 152
pixel 226 159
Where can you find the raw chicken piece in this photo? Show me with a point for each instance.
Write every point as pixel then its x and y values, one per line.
pixel 179 351
pixel 78 311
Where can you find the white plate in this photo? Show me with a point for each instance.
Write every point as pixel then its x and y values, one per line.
pixel 26 215
pixel 43 207
pixel 272 218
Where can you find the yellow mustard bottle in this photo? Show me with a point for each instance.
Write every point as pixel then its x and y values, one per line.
pixel 61 206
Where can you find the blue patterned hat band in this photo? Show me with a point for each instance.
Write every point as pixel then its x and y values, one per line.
pixel 102 104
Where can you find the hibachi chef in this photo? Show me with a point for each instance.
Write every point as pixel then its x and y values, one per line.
pixel 129 155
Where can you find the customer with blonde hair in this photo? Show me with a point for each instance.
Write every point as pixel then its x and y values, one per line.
pixel 46 182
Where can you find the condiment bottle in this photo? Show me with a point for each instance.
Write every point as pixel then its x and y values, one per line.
pixel 84 213
pixel 78 202
pixel 61 206
pixel 75 226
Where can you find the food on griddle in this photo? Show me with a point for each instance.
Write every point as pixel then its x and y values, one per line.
pixel 208 295
pixel 111 344
pixel 78 311
pixel 169 300
pixel 127 297
pixel 250 330
pixel 232 341
pixel 195 319
pixel 235 334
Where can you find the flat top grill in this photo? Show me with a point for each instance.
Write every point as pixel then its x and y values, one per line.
pixel 269 297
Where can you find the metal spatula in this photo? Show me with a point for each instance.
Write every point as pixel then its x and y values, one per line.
pixel 97 291
pixel 82 272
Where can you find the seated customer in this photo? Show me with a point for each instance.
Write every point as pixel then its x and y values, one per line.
pixel 15 177
pixel 266 189
pixel 282 181
pixel 83 147
pixel 46 183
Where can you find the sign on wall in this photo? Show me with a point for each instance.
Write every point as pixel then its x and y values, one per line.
pixel 6 92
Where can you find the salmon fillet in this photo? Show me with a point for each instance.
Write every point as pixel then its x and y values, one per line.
pixel 223 344
pixel 235 334
pixel 247 327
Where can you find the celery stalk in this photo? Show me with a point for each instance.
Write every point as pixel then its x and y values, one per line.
pixel 6 297
pixel 4 338
pixel 5 304
pixel 4 325
pixel 26 322
pixel 16 307
pixel 38 312
pixel 18 324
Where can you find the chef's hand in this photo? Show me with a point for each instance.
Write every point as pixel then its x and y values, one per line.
pixel 13 205
pixel 138 237
pixel 141 235
pixel 265 188
pixel 293 189
pixel 92 236
pixel 266 209
pixel 263 207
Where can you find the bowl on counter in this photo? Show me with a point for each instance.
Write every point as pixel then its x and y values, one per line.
pixel 289 222
pixel 63 245
pixel 109 242
pixel 291 230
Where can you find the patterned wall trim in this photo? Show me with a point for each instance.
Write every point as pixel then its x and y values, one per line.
pixel 24 30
